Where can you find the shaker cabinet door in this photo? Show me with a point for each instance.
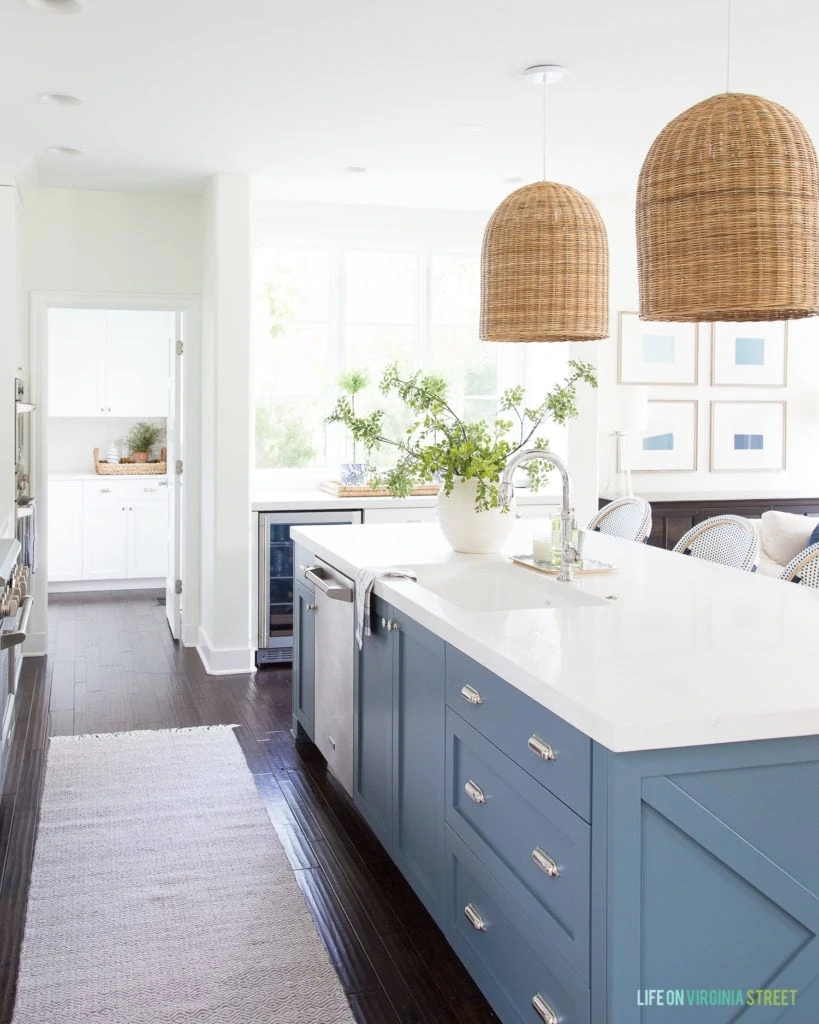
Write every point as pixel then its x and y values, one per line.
pixel 419 761
pixel 147 543
pixel 138 363
pixel 64 530
pixel 373 725
pixel 76 362
pixel 105 535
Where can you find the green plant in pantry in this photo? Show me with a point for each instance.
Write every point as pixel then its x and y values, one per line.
pixel 351 383
pixel 144 436
pixel 441 444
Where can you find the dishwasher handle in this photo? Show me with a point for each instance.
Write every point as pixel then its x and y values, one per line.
pixel 328 586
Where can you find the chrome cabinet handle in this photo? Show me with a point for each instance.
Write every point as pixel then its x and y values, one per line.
pixel 474 792
pixel 542 748
pixel 474 918
pixel 546 864
pixel 544 1010
pixel 312 607
pixel 471 694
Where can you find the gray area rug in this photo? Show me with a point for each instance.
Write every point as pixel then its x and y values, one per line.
pixel 160 893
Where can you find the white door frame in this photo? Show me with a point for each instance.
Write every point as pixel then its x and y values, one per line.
pixel 190 307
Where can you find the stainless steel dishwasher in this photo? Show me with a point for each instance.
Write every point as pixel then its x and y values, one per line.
pixel 335 659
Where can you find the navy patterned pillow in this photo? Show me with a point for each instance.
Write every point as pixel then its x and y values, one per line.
pixel 814 537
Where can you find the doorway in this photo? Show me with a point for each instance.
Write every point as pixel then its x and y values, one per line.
pixel 105 370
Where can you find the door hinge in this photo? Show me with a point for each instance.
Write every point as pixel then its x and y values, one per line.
pixel 177 587
pixel 180 347
pixel 179 467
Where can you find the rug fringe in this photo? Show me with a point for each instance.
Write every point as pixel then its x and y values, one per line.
pixel 139 732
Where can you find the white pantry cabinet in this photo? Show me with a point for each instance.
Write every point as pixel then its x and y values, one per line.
pixel 108 529
pixel 64 530
pixel 109 363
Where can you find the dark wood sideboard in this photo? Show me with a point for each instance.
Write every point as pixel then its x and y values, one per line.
pixel 671 517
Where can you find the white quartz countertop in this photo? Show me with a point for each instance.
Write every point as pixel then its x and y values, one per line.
pixel 688 653
pixel 316 500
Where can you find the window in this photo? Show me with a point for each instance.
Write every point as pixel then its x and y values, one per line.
pixel 324 307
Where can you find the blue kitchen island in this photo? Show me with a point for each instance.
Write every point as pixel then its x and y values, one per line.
pixel 606 793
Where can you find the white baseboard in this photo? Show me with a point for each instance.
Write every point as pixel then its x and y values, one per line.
pixel 35 645
pixel 84 586
pixel 190 634
pixel 224 661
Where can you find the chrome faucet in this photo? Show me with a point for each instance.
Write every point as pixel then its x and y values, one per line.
pixel 569 554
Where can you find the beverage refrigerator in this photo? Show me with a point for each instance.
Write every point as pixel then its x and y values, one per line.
pixel 275 642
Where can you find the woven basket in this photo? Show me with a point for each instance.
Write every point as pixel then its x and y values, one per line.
pixel 728 215
pixel 131 468
pixel 545 268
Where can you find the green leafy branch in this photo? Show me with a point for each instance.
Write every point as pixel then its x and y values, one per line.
pixel 441 445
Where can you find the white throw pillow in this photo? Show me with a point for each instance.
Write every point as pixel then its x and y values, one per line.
pixel 785 534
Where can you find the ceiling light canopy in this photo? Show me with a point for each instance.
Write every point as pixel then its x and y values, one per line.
pixel 65 151
pixel 59 99
pixel 58 6
pixel 469 126
pixel 728 215
pixel 354 169
pixel 545 260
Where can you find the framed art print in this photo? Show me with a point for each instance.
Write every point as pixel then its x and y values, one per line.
pixel 749 355
pixel 669 442
pixel 748 436
pixel 656 353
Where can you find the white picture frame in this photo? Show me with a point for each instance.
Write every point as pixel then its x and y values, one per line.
pixel 748 436
pixel 749 355
pixel 669 444
pixel 651 352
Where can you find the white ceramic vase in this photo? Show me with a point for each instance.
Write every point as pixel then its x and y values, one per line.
pixel 469 531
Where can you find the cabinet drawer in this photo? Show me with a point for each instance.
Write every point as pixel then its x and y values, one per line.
pixel 503 952
pixel 116 489
pixel 536 847
pixel 417 514
pixel 517 724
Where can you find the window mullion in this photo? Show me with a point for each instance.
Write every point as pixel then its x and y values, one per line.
pixel 423 311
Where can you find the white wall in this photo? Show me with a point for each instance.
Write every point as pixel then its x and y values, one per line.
pixel 116 244
pixel 802 472
pixel 225 642
pixel 9 346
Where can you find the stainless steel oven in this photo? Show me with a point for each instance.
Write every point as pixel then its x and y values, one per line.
pixel 16 604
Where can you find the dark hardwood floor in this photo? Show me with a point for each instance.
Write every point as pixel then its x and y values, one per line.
pixel 113 666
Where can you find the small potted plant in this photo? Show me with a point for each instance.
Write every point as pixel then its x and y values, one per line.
pixel 142 438
pixel 351 383
pixel 467 457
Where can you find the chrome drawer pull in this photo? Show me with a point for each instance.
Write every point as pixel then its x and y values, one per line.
pixel 542 748
pixel 474 792
pixel 471 694
pixel 312 607
pixel 545 863
pixel 543 1010
pixel 474 918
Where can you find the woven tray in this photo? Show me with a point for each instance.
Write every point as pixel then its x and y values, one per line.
pixel 339 490
pixel 131 468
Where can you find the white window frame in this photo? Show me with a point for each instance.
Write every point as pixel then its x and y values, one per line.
pixel 512 368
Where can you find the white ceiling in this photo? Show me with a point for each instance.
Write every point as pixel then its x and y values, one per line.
pixel 176 90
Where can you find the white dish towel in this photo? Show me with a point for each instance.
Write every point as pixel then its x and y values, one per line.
pixel 365 578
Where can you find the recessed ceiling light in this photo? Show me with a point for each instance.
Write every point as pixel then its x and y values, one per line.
pixel 513 179
pixel 354 169
pixel 58 6
pixel 60 99
pixel 65 151
pixel 468 126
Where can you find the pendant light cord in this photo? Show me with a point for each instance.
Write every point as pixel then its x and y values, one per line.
pixel 728 53
pixel 544 88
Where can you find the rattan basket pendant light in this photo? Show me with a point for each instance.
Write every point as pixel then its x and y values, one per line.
pixel 728 215
pixel 545 261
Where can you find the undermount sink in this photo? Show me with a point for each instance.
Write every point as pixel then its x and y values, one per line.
pixel 499 587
